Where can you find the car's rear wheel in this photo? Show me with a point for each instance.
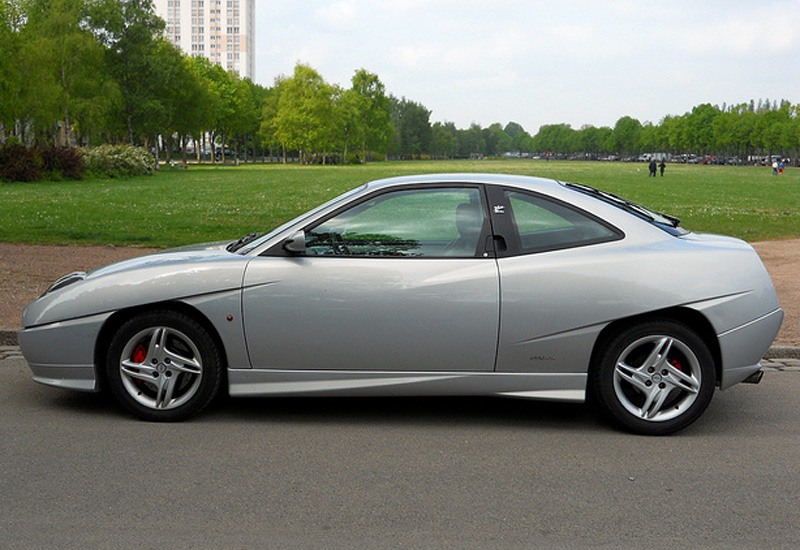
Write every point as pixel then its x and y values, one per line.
pixel 163 366
pixel 654 378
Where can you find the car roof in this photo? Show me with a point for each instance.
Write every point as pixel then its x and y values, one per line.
pixel 475 178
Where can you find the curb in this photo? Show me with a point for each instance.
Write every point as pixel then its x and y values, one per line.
pixel 783 352
pixel 9 338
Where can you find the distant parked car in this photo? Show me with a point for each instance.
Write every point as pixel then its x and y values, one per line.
pixel 424 285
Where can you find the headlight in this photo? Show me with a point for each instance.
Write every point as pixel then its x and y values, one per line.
pixel 66 280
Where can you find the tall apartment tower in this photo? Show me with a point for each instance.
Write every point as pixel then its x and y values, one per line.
pixel 219 30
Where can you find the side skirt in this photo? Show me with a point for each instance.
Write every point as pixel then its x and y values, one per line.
pixel 258 382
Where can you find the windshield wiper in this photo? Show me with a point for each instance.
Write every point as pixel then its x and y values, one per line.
pixel 236 245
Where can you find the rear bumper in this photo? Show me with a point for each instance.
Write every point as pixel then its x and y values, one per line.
pixel 743 347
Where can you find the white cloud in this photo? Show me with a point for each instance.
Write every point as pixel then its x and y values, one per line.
pixel 536 61
pixel 339 14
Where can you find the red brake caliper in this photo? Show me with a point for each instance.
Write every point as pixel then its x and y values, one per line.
pixel 677 365
pixel 139 354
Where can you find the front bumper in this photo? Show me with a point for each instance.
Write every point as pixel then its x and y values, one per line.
pixel 62 354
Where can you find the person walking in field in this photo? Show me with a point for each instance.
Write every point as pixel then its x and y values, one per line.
pixel 774 167
pixel 652 168
pixel 661 167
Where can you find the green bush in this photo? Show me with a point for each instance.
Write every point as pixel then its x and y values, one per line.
pixel 119 161
pixel 18 163
pixel 353 158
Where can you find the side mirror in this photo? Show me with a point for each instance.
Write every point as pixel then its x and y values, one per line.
pixel 296 244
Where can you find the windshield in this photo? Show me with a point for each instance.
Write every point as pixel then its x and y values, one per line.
pixel 254 240
pixel 668 223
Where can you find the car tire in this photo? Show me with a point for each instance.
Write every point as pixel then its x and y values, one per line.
pixel 163 366
pixel 653 378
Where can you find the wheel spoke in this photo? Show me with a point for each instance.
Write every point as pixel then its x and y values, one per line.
pixel 138 371
pixel 632 375
pixel 183 364
pixel 166 387
pixel 683 380
pixel 658 356
pixel 158 341
pixel 655 400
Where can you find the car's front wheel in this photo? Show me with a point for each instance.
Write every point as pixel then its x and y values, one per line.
pixel 654 378
pixel 163 366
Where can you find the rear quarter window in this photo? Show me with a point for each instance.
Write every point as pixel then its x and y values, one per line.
pixel 543 224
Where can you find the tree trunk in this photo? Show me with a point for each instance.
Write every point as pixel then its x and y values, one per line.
pixel 158 152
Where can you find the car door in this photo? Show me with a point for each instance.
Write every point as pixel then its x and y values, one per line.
pixel 553 265
pixel 399 281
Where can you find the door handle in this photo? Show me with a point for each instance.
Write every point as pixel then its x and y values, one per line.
pixel 500 244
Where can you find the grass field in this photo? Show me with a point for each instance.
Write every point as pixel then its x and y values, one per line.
pixel 209 203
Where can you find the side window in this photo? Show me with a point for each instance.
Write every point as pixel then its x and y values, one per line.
pixel 438 222
pixel 544 224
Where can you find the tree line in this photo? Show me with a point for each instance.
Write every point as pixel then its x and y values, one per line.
pixel 736 132
pixel 87 72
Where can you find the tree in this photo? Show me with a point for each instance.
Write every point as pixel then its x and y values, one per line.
pixel 445 140
pixel 372 108
pixel 74 61
pixel 412 128
pixel 471 141
pixel 722 130
pixel 129 30
pixel 699 128
pixel 11 21
pixel 744 133
pixel 248 123
pixel 556 138
pixel 523 142
pixel 34 101
pixel 346 120
pixel 268 129
pixel 497 140
pixel 183 97
pixel 626 135
pixel 513 129
pixel 304 108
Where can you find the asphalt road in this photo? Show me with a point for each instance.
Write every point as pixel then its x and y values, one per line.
pixel 394 473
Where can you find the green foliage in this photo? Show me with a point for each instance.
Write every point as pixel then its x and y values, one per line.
pixel 736 131
pixel 304 105
pixel 412 128
pixel 372 113
pixel 130 33
pixel 119 161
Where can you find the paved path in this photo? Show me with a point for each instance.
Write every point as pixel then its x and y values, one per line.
pixel 438 473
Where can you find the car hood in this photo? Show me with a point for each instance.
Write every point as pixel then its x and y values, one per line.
pixel 170 275
pixel 184 254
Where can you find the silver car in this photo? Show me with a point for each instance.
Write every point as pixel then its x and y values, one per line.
pixel 424 285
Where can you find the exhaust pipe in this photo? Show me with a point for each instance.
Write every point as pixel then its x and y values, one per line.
pixel 754 378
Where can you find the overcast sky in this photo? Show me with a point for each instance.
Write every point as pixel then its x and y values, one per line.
pixel 542 62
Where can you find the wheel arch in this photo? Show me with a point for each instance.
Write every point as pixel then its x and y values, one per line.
pixel 686 316
pixel 119 318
